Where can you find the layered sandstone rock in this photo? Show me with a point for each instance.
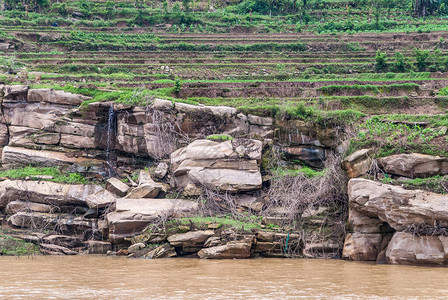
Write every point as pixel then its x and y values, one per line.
pixel 15 156
pixel 133 215
pixel 399 207
pixel 229 251
pixel 100 199
pixel 408 248
pixel 39 221
pixel 358 163
pixel 414 165
pixel 381 215
pixel 48 192
pixel 226 166
pixel 55 96
pixel 189 242
pixel 163 251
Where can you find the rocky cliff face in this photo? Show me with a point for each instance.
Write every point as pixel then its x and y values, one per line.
pixel 213 148
pixel 391 224
pixel 47 127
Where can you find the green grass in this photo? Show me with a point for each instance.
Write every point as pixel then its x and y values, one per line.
pixel 433 120
pixel 393 138
pixel 375 89
pixel 228 222
pixel 14 246
pixel 436 184
pixel 306 171
pixel 32 172
pixel 219 137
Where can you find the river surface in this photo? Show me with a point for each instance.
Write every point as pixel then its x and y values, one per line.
pixel 99 277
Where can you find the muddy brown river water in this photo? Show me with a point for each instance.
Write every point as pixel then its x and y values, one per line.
pixel 99 277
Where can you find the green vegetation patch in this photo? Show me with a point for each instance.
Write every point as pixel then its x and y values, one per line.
pixel 35 173
pixel 247 223
pixel 375 89
pixel 437 184
pixel 14 246
pixel 220 137
pixel 393 138
pixel 306 171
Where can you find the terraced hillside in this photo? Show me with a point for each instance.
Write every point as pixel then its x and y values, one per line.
pixel 297 88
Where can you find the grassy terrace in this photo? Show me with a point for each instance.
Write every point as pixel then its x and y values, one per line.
pixel 318 58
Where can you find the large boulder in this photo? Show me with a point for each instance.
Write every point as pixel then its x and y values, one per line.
pixel 228 251
pixel 51 249
pixel 377 210
pixel 64 223
pixel 116 186
pixel 361 246
pixel 101 199
pixel 163 251
pixel 226 166
pixel 407 248
pixel 414 165
pixel 16 206
pixel 133 215
pixel 147 188
pixel 26 157
pixel 48 192
pixel 311 155
pixel 161 170
pixel 55 96
pixel 16 92
pixel 63 240
pixel 399 207
pixel 99 247
pixel 191 241
pixel 358 163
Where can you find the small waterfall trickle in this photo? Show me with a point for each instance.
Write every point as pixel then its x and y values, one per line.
pixel 110 130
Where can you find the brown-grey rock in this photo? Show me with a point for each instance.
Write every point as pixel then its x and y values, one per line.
pixel 50 138
pixel 163 105
pixel 16 92
pixel 144 178
pixel 100 199
pixel 191 190
pixel 313 156
pixel 191 241
pixel 77 141
pixel 26 157
pixel 67 241
pixel 16 206
pixel 362 247
pixel 99 247
pixel 146 190
pixel 414 165
pixel 135 248
pixel 228 251
pixel 399 207
pixel 261 121
pixel 163 251
pixel 325 249
pixel 227 166
pixel 117 187
pixel 51 249
pixel 161 170
pixel 55 96
pixel 133 215
pixel 64 223
pixel 407 248
pixel 358 163
pixel 45 192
